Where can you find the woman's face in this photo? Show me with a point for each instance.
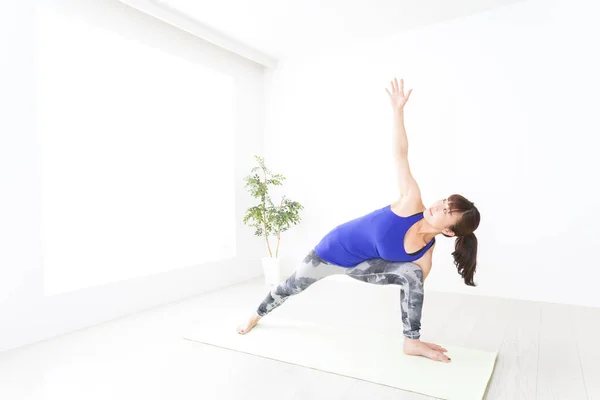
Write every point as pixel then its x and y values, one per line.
pixel 440 216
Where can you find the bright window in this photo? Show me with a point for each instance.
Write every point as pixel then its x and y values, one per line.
pixel 137 157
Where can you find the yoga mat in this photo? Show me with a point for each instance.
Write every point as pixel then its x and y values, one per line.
pixel 356 353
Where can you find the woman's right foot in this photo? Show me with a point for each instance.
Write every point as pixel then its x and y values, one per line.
pixel 247 327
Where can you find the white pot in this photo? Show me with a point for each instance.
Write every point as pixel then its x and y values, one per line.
pixel 272 270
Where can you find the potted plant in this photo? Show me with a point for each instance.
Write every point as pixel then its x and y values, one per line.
pixel 267 219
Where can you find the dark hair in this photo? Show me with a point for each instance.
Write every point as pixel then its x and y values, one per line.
pixel 465 246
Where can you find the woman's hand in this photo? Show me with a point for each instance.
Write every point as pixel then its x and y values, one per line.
pixel 397 97
pixel 414 347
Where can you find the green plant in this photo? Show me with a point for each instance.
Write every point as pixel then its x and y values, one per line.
pixel 266 218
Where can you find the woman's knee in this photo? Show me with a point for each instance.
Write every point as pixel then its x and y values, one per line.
pixel 279 294
pixel 295 284
pixel 412 273
pixel 389 272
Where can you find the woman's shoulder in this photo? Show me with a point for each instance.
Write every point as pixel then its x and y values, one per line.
pixel 405 206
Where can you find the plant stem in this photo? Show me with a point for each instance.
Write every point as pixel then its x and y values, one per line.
pixel 264 222
pixel 269 247
pixel 278 234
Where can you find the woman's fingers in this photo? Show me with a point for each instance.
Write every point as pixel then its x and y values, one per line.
pixel 399 88
pixel 435 355
pixel 440 357
pixel 438 347
pixel 398 91
pixel 435 347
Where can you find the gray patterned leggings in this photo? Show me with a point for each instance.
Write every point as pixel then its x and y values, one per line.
pixel 378 271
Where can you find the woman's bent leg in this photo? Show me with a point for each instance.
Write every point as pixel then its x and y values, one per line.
pixel 410 278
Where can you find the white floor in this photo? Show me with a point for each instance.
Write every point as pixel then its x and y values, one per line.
pixel 547 351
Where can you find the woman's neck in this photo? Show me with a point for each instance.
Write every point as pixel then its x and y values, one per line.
pixel 426 231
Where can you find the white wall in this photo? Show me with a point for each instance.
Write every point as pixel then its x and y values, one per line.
pixel 26 315
pixel 504 111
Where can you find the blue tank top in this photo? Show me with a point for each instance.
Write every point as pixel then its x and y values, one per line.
pixel 379 234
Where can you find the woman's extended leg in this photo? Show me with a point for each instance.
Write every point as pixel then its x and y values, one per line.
pixel 410 278
pixel 310 270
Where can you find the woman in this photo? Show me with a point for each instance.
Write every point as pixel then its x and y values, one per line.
pixel 391 245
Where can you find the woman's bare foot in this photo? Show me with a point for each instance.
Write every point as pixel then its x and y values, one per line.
pixel 247 327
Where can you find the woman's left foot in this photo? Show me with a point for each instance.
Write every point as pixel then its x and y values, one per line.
pixel 247 327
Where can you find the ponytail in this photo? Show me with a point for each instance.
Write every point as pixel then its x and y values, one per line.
pixel 465 257
pixel 465 247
